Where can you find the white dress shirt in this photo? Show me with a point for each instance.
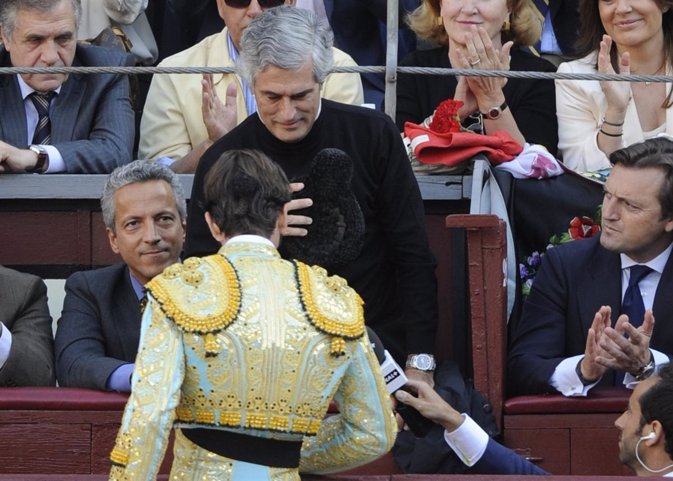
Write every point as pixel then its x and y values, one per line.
pixel 56 163
pixel 565 378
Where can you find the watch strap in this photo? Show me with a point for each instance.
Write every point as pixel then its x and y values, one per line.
pixel 495 112
pixel 42 163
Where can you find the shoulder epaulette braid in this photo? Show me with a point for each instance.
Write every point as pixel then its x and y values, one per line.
pixel 330 305
pixel 178 290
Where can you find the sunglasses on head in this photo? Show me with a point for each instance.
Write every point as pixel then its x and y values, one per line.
pixel 246 3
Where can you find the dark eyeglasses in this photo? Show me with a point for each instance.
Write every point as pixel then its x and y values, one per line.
pixel 246 3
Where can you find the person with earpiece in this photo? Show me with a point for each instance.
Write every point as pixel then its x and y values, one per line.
pixel 645 441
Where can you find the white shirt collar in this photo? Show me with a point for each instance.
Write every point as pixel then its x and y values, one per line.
pixel 656 264
pixel 249 238
pixel 26 89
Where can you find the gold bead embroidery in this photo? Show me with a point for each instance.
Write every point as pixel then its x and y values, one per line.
pixel 119 456
pixel 226 303
pixel 335 313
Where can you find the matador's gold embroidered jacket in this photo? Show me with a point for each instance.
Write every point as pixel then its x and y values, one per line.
pixel 247 341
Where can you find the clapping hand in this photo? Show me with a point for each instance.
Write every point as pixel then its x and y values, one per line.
pixel 218 117
pixel 625 347
pixel 617 94
pixel 479 53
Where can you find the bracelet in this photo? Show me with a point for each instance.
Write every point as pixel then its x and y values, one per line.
pixel 609 135
pixel 612 123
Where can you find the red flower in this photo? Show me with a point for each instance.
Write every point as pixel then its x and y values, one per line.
pixel 445 119
pixel 583 227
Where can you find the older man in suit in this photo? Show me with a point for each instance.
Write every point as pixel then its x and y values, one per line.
pixel 26 343
pixel 97 337
pixel 568 339
pixel 54 123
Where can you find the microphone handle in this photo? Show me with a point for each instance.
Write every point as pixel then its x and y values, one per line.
pixel 418 424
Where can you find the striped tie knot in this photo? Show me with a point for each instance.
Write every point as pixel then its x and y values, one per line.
pixel 41 102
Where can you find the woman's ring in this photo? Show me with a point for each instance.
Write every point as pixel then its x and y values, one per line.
pixel 475 62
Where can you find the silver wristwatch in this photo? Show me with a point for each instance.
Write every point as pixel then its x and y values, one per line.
pixel 422 362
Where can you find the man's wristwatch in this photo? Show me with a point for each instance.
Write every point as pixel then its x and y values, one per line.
pixel 495 112
pixel 42 160
pixel 645 371
pixel 421 362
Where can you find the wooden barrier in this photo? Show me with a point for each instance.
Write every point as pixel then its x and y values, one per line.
pixel 72 431
pixel 51 224
pixel 59 430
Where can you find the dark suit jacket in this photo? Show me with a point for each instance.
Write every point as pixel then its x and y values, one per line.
pixel 92 122
pixel 99 328
pixel 24 311
pixel 566 20
pixel 360 30
pixel 574 281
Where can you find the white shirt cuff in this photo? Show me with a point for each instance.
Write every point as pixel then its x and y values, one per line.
pixel 167 161
pixel 469 441
pixel 56 163
pixel 566 381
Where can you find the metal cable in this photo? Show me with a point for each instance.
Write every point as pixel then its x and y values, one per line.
pixel 354 69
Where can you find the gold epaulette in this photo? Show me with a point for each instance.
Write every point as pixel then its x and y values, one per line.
pixel 331 306
pixel 201 295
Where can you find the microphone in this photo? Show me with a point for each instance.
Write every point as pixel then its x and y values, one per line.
pixel 652 435
pixel 395 380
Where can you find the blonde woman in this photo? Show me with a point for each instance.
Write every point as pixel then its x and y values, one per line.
pixel 481 34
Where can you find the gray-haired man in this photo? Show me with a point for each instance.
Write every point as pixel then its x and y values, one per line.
pixel 97 337
pixel 286 53
pixel 55 122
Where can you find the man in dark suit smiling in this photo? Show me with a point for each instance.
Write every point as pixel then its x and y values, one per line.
pixel 97 337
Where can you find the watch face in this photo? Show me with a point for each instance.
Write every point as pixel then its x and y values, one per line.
pixel 424 362
pixel 494 113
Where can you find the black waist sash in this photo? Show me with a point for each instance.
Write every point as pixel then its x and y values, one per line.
pixel 243 447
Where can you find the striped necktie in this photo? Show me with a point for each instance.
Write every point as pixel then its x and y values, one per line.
pixel 42 134
pixel 542 7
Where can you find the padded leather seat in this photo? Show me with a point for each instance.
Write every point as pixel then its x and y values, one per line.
pixel 602 400
pixel 60 399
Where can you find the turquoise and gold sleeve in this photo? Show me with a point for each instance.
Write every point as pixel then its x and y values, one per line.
pixel 365 427
pixel 155 392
